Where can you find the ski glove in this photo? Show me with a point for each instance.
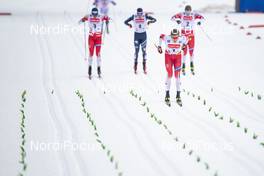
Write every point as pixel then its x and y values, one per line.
pixel 130 25
pixel 199 23
pixel 178 22
pixel 183 47
pixel 160 49
pixel 149 22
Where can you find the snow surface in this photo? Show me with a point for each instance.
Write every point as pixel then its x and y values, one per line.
pixel 51 68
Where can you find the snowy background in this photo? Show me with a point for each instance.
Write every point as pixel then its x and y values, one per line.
pixel 218 131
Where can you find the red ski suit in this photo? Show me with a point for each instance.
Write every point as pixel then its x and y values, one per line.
pixel 188 21
pixel 95 24
pixel 173 53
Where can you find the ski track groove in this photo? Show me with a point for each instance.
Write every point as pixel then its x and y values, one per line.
pixel 211 133
pixel 139 125
pixel 69 123
pixel 56 124
pixel 248 156
pixel 242 110
pixel 74 135
pixel 235 156
pixel 127 123
pixel 245 115
pixel 205 127
pixel 226 137
pixel 86 112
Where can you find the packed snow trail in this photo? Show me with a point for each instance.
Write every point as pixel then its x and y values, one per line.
pixel 48 69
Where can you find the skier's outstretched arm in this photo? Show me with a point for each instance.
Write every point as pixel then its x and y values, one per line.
pixel 106 18
pixel 85 18
pixel 151 19
pixel 199 18
pixel 161 38
pixel 113 2
pixel 177 18
pixel 128 20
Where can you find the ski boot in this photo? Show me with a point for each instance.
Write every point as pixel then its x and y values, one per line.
pixel 178 98
pixel 167 99
pixel 99 72
pixel 192 68
pixel 183 69
pixel 90 72
pixel 135 67
pixel 145 67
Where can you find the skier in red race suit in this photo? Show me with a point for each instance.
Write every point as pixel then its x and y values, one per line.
pixel 174 44
pixel 187 20
pixel 95 22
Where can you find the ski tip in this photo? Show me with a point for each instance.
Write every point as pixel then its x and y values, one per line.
pixel 168 104
pixel 180 104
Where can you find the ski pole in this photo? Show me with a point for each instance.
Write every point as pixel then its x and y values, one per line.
pixel 85 44
pixel 103 32
pixel 206 33
pixel 85 41
pixel 156 46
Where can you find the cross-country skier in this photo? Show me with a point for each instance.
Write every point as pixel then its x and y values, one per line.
pixel 187 20
pixel 174 44
pixel 95 21
pixel 140 22
pixel 103 6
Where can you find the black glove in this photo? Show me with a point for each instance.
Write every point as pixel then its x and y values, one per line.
pixel 149 22
pixel 183 47
pixel 160 49
pixel 130 25
pixel 199 23
pixel 178 22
